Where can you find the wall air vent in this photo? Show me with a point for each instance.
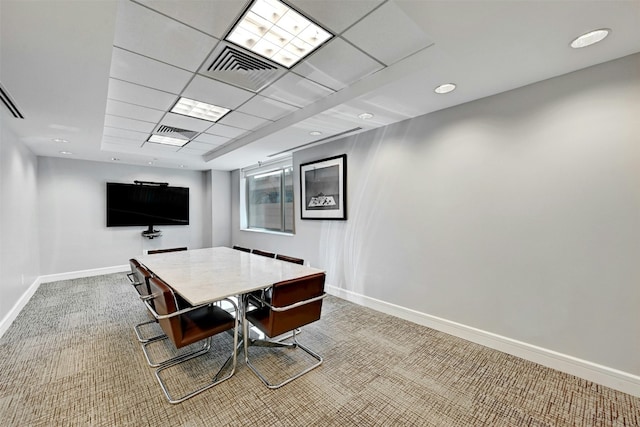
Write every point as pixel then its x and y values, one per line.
pixel 171 131
pixel 235 66
pixel 8 102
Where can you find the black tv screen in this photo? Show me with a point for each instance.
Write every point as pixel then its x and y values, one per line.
pixel 146 205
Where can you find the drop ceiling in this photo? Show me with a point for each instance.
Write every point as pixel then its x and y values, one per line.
pixel 104 75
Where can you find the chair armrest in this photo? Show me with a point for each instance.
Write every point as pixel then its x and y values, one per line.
pixel 179 312
pixel 288 307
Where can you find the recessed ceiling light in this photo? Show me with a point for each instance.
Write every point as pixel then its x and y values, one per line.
pixel 199 110
pixel 181 166
pixel 167 140
pixel 115 159
pixel 315 133
pixel 445 88
pixel 60 140
pixel 365 116
pixel 273 30
pixel 149 163
pixel 590 38
pixel 66 152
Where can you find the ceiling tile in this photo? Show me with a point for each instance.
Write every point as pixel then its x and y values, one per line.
pixel 194 145
pixel 336 15
pixel 228 131
pixel 152 34
pixel 214 92
pixel 214 17
pixel 151 147
pixel 267 108
pixel 211 139
pixel 185 122
pixel 388 34
pixel 147 72
pixel 125 134
pixel 107 139
pixel 124 109
pixel 242 120
pixel 140 95
pixel 194 151
pixel 129 124
pixel 337 65
pixel 296 90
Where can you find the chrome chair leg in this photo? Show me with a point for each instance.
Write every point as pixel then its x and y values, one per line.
pixel 140 336
pixel 232 358
pixel 268 343
pixel 172 361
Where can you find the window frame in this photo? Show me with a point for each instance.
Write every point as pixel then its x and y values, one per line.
pixel 249 174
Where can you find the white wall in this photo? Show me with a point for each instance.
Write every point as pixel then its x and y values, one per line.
pixel 518 214
pixel 72 214
pixel 19 263
pixel 220 208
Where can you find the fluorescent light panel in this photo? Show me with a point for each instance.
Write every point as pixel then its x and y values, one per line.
pixel 199 110
pixel 275 31
pixel 167 140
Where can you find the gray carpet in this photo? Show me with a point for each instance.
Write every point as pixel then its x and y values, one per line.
pixel 71 358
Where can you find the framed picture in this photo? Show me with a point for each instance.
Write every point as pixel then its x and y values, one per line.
pixel 323 189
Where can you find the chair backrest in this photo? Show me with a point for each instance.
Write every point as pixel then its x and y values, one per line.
pixel 142 276
pixel 240 248
pixel 290 292
pixel 165 303
pixel 290 259
pixel 263 253
pixel 133 264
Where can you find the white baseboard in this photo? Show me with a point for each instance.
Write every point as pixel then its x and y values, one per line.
pixel 83 273
pixel 609 377
pixel 24 299
pixel 8 319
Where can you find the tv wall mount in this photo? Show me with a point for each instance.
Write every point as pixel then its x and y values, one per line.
pixel 150 233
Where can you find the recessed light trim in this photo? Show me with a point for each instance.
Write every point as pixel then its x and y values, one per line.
pixel 167 140
pixel 445 88
pixel 66 153
pixel 199 110
pixel 315 133
pixel 590 38
pixel 365 116
pixel 275 31
pixel 60 140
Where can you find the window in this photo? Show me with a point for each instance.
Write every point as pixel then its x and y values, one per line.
pixel 268 197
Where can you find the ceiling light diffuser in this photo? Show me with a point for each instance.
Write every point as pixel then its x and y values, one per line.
pixel 199 110
pixel 273 30
pixel 365 116
pixel 315 133
pixel 167 140
pixel 590 38
pixel 66 152
pixel 60 140
pixel 445 88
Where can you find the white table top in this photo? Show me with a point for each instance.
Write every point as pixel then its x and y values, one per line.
pixel 204 275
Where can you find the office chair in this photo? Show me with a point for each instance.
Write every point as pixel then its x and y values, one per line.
pixel 188 326
pixel 294 303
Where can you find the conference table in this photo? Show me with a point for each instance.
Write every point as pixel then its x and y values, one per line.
pixel 202 276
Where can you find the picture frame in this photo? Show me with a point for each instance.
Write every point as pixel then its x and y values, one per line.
pixel 323 189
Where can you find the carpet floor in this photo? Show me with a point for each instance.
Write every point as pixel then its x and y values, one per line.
pixel 71 359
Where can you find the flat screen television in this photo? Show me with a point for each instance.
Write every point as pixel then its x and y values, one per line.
pixel 146 205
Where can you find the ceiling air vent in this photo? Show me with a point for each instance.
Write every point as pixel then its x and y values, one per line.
pixel 8 102
pixel 171 131
pixel 233 65
pixel 233 59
